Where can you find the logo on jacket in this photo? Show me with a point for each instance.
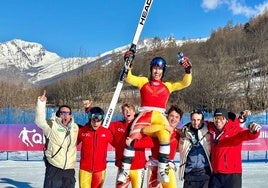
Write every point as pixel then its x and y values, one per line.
pixel 121 130
pixel 86 134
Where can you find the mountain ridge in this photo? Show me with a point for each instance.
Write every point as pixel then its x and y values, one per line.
pixel 37 66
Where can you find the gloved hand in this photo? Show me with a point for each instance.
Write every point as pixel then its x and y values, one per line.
pixel 243 115
pixel 254 127
pixel 185 63
pixel 231 116
pixel 172 165
pixel 129 55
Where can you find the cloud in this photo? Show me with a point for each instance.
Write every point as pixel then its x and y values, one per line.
pixel 237 7
pixel 211 4
pixel 262 7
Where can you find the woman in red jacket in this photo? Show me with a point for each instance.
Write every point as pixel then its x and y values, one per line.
pixel 226 145
pixel 95 140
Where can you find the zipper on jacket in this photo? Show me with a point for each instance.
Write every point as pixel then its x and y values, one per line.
pixel 66 153
pixel 95 138
pixel 67 149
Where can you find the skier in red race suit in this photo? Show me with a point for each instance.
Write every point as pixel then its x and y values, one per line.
pixel 151 120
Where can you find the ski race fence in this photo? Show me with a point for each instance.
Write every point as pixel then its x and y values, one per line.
pixel 21 139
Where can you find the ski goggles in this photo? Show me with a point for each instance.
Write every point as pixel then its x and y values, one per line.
pixel 216 118
pixel 96 117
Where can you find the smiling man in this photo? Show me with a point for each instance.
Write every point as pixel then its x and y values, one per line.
pixel 120 130
pixel 60 151
pixel 94 139
pixel 227 137
pixel 151 120
pixel 195 167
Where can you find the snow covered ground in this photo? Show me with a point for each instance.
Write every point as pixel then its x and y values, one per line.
pixel 30 174
pixel 16 173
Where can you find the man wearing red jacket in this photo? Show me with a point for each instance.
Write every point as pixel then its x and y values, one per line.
pixel 120 130
pixel 95 140
pixel 226 145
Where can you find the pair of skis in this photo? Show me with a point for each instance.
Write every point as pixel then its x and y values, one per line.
pixel 124 71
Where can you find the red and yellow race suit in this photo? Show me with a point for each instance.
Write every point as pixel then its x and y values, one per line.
pixel 151 120
pixel 154 97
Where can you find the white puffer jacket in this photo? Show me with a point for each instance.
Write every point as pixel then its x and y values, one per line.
pixel 60 136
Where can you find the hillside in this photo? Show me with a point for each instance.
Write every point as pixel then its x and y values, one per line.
pixel 229 70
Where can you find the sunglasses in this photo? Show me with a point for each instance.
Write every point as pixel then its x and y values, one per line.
pixel 219 118
pixel 97 117
pixel 65 113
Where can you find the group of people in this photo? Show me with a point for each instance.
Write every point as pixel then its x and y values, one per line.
pixel 210 151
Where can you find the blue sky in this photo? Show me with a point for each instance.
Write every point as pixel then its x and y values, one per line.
pixel 91 27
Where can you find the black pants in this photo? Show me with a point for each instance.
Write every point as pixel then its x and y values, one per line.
pixel 196 184
pixel 226 181
pixel 59 178
pixel 197 178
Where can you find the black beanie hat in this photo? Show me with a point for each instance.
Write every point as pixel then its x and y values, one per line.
pixel 221 112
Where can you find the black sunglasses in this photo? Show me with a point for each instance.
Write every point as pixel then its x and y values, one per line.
pixel 65 113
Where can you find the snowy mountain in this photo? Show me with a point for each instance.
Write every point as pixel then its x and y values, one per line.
pixel 29 63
